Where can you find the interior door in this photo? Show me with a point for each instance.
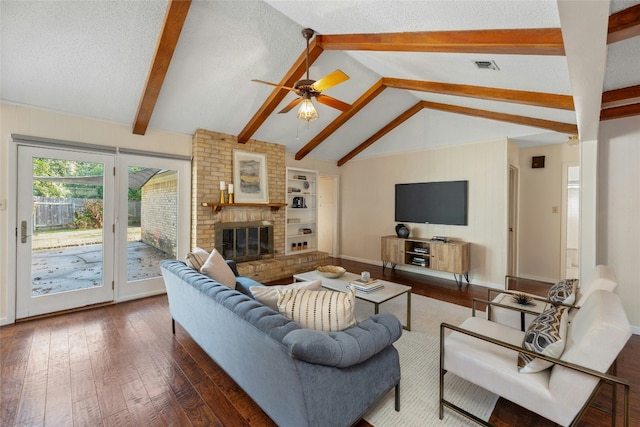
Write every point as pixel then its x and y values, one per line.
pixel 570 241
pixel 327 214
pixel 65 241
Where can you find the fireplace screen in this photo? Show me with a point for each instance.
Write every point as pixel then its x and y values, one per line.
pixel 244 241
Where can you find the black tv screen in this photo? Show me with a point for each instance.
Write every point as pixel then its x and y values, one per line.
pixel 432 202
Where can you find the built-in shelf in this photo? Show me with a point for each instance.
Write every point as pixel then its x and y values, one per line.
pixel 301 191
pixel 217 207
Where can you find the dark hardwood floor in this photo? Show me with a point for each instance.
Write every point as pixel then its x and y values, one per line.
pixel 121 365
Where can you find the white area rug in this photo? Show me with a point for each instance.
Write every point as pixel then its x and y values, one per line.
pixel 420 364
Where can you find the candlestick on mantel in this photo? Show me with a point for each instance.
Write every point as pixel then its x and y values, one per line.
pixel 222 185
pixel 230 190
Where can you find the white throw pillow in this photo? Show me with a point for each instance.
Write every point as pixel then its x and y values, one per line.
pixel 218 269
pixel 268 295
pixel 197 258
pixel 547 335
pixel 320 310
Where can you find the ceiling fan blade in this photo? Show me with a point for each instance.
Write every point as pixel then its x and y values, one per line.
pixel 332 102
pixel 272 84
pixel 290 106
pixel 330 80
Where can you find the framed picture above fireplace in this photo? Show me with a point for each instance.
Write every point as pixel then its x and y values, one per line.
pixel 250 177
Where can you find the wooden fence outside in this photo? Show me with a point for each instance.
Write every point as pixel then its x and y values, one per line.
pixel 57 212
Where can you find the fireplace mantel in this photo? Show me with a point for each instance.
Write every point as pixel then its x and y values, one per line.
pixel 217 207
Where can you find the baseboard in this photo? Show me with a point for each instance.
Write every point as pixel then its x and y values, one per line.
pixel 635 330
pixel 4 321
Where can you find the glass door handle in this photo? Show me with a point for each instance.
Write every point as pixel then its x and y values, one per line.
pixel 23 232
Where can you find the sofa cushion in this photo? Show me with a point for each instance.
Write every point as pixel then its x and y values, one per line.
pixel 563 292
pixel 268 295
pixel 320 310
pixel 216 268
pixel 346 348
pixel 546 335
pixel 197 258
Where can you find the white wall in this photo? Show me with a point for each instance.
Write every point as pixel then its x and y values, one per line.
pixel 619 208
pixel 15 119
pixel 368 196
pixel 539 226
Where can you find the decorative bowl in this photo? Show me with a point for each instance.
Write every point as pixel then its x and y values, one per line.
pixel 331 271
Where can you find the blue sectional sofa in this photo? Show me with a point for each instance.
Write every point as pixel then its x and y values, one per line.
pixel 299 377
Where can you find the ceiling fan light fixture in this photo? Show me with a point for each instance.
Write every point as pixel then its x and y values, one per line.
pixel 307 111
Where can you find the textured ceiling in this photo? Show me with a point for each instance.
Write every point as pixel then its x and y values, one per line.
pixel 92 59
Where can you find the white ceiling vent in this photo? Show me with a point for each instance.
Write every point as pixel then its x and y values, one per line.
pixel 487 65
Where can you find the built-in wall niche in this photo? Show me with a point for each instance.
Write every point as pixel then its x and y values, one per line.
pixel 301 232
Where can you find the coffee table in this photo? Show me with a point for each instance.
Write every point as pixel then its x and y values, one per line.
pixel 390 291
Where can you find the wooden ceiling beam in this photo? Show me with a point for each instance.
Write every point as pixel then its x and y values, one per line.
pixel 536 41
pixel 620 112
pixel 625 95
pixel 173 22
pixel 624 24
pixel 358 105
pixel 511 118
pixel 382 132
pixel 294 74
pixel 538 99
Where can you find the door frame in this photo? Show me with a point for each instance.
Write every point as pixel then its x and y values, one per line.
pixel 12 221
pixel 12 229
pixel 512 220
pixel 125 290
pixel 28 305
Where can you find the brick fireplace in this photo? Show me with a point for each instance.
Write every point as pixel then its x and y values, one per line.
pixel 212 162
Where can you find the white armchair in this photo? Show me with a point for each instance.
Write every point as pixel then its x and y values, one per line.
pixel 486 353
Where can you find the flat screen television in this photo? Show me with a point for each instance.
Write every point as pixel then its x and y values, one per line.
pixel 432 202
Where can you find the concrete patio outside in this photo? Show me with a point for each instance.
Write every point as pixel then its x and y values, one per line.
pixel 69 260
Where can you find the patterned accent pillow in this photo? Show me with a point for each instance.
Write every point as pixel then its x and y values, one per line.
pixel 268 295
pixel 217 268
pixel 565 291
pixel 197 258
pixel 320 310
pixel 547 335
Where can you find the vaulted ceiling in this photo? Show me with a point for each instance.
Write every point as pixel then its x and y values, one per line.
pixel 414 83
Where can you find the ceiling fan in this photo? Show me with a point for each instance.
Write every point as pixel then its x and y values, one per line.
pixel 307 89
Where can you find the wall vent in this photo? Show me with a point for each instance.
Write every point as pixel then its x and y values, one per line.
pixel 487 65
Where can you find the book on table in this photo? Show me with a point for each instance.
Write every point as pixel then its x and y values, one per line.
pixel 367 286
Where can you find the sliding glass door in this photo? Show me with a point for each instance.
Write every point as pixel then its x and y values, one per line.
pixel 153 220
pixel 94 227
pixel 65 241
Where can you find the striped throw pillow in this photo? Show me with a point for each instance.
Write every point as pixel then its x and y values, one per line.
pixel 321 310
pixel 197 258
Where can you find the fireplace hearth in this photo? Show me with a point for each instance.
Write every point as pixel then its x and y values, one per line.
pixel 244 241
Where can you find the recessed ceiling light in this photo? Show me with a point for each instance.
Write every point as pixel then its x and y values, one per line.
pixel 487 65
